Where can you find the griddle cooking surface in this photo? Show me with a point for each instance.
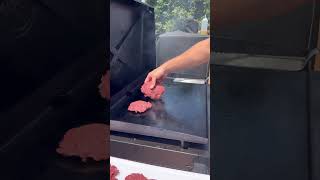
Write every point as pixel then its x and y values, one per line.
pixel 183 108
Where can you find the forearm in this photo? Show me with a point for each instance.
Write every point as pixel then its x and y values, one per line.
pixel 196 55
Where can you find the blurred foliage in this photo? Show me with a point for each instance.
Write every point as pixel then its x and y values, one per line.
pixel 169 13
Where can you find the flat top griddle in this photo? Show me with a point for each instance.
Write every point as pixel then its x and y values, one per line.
pixel 182 109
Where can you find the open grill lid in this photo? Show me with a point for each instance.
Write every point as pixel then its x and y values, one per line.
pixel 132 42
pixel 290 36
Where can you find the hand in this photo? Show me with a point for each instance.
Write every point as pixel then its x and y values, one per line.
pixel 157 75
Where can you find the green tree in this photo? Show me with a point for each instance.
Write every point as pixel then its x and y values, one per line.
pixel 169 12
pixel 151 2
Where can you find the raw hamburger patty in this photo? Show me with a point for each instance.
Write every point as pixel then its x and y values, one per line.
pixel 113 172
pixel 136 176
pixel 139 106
pixel 104 86
pixel 88 141
pixel 154 93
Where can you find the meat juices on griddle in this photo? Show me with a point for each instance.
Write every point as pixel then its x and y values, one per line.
pixel 87 141
pixel 154 93
pixel 139 106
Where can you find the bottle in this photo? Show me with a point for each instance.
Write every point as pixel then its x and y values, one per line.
pixel 204 26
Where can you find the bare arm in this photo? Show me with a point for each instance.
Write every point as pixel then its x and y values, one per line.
pixel 224 12
pixel 196 55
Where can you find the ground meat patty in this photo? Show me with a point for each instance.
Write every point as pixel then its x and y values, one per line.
pixel 136 176
pixel 88 141
pixel 113 172
pixel 154 93
pixel 104 86
pixel 139 106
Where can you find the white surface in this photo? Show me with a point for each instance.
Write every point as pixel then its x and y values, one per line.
pixel 127 167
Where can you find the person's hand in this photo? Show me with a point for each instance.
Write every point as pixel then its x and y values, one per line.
pixel 157 75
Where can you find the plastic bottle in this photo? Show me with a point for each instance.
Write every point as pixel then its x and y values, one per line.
pixel 204 26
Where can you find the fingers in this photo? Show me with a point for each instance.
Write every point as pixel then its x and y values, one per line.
pixel 148 78
pixel 153 82
pixel 153 78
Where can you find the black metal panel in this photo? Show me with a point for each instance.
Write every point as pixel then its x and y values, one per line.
pixel 31 57
pixel 50 64
pixel 132 42
pixel 315 124
pixel 40 61
pixel 86 18
pixel 260 124
pixel 38 41
pixel 259 61
pixel 287 33
pixel 39 138
pixel 156 155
